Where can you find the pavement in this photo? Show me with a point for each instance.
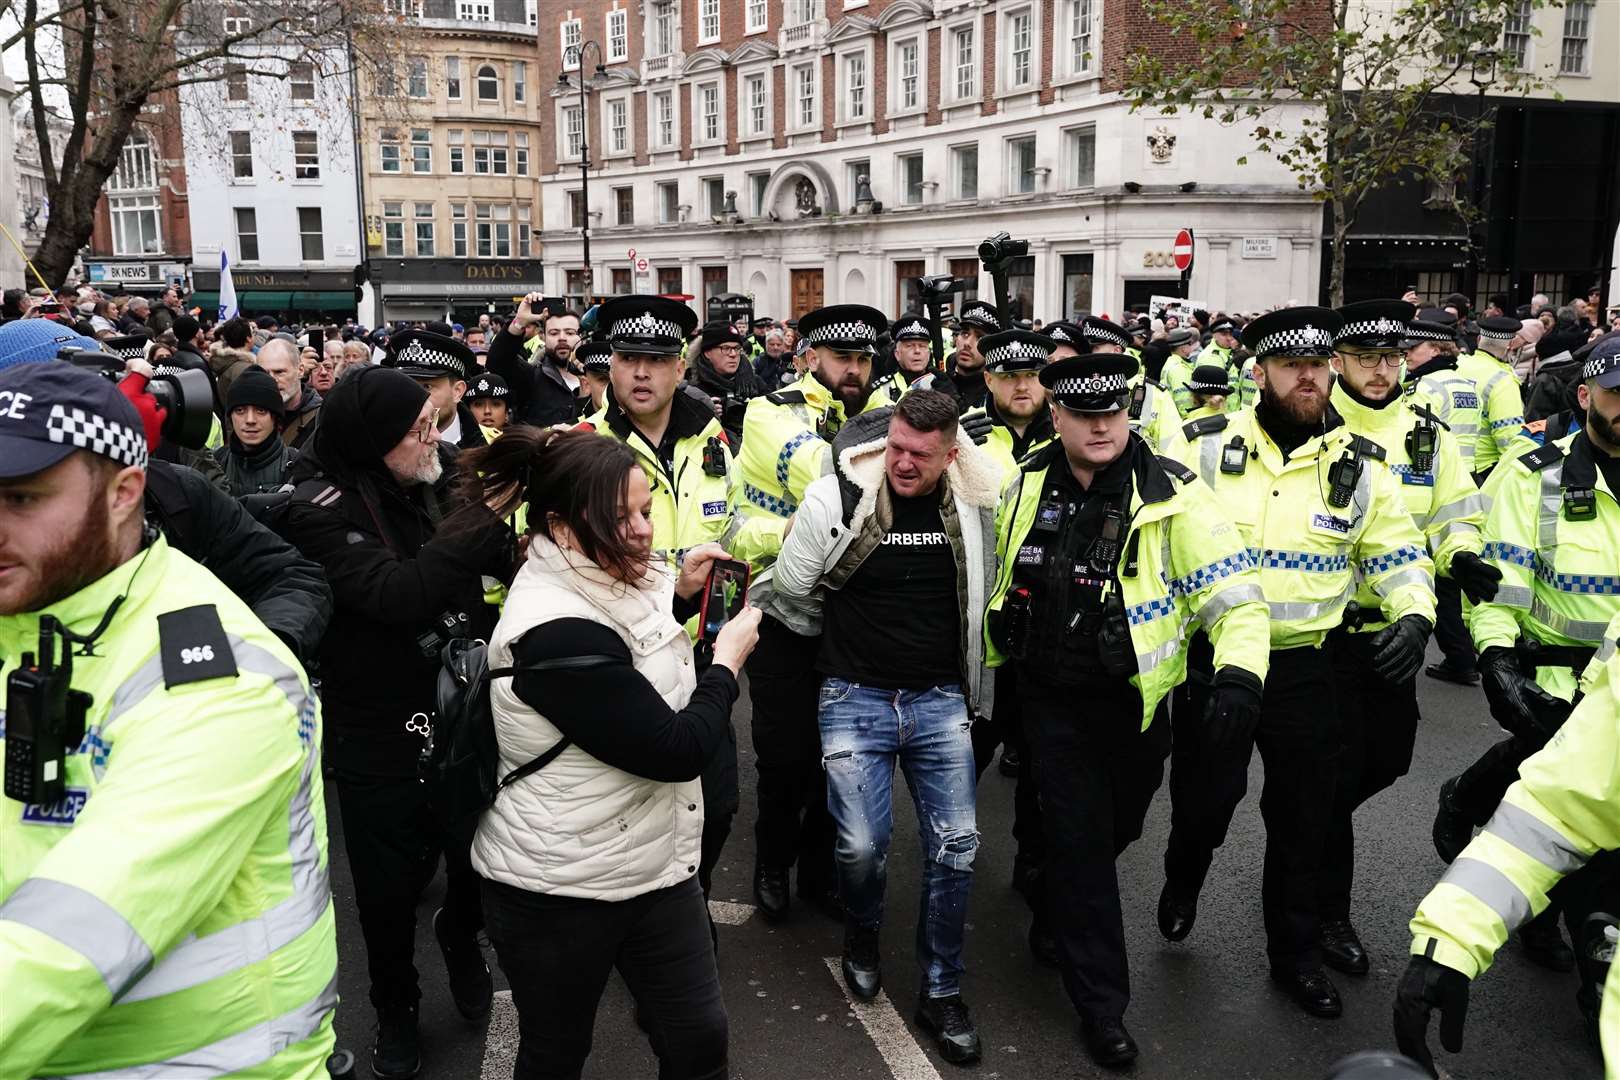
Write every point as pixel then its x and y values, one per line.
pixel 1202 1008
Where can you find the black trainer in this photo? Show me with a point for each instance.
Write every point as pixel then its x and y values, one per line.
pixel 398 1053
pixel 471 987
pixel 947 1020
pixel 1452 828
pixel 862 962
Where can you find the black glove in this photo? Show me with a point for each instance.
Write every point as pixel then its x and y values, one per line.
pixel 1424 987
pixel 1400 648
pixel 1517 703
pixel 978 427
pixel 1233 711
pixel 1475 576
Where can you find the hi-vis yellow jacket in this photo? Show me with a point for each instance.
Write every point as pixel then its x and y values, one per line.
pixel 1453 397
pixel 1501 406
pixel 1313 554
pixel 170 916
pixel 1564 807
pixel 1191 565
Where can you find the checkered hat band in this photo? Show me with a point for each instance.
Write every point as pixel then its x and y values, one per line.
pixel 1208 388
pixel 1298 338
pixel 73 426
pixel 1599 366
pixel 1017 352
pixel 982 315
pixel 646 325
pixel 1097 335
pixel 911 331
pixel 128 352
pixel 841 331
pixel 490 390
pixel 1058 333
pixel 1496 335
pixel 1421 334
pixel 592 363
pixel 416 354
pixel 1090 386
pixel 1372 326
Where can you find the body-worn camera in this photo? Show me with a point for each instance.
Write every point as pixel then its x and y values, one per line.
pixel 186 397
pixel 440 632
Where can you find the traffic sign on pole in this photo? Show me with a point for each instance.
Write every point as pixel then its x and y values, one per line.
pixel 1182 250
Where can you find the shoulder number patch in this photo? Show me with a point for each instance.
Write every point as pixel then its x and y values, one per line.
pixel 193 646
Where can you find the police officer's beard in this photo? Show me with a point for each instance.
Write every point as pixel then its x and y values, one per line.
pixel 81 558
pixel 853 395
pixel 1604 431
pixel 1294 408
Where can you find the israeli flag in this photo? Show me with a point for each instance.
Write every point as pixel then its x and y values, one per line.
pixel 227 288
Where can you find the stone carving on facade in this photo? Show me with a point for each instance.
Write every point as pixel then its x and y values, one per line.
pixel 1161 145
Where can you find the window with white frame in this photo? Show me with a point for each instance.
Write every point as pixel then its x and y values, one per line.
pixel 1516 33
pixel 708 21
pixel 1021 165
pixel 497 153
pixel 242 155
pixel 756 14
pixel 484 229
pixel 624 206
pixel 853 171
pixel 489 83
pixel 1577 29
pixel 757 183
pixel 388 150
pixel 410 9
pixel 421 150
pixel 908 74
pixel 457 151
pixel 531 12
pixel 709 112
pixel 416 78
pixel 964 63
pixel 854 97
pixel 804 96
pixel 669 200
pixel 1081 32
pixel 520 81
pixel 799 12
pixel 756 105
pixel 137 168
pixel 458 230
pixel 572 35
pixel 236 83
pixel 909 179
pixel 1080 152
pixel 661 38
pixel 618 119
pixel 503 230
pixel 572 132
pixel 452 78
pixel 520 153
pixel 1019 32
pixel 247 234
pixel 965 171
pixel 394 229
pixel 482 157
pixel 306 155
pixel 301 81
pixel 523 230
pixel 422 219
pixel 664 119
pixel 476 10
pixel 618 35
pixel 311 238
pixel 135 224
pixel 235 21
pixel 714 196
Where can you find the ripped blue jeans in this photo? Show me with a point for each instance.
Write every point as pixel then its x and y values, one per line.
pixel 865 731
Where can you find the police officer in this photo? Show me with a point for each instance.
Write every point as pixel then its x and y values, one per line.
pixel 1559 820
pixel 1380 718
pixel 1316 507
pixel 1552 530
pixel 1208 388
pixel 441 365
pixel 1178 367
pixel 1501 402
pixel 682 449
pixel 1089 613
pixel 1433 380
pixel 1222 343
pixel 913 338
pixel 1152 408
pixel 596 360
pixel 162 793
pixel 786 438
pixel 1020 422
pixel 489 402
pixel 965 368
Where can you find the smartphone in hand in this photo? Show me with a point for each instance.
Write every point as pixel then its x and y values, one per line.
pixel 725 594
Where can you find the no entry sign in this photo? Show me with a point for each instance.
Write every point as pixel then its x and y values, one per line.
pixel 1182 251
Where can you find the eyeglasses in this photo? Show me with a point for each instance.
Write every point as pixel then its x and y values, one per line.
pixel 1370 361
pixel 427 426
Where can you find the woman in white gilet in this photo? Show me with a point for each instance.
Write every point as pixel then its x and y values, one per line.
pixel 590 863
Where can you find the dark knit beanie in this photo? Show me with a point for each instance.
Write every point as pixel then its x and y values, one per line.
pixel 255 386
pixel 185 328
pixel 366 415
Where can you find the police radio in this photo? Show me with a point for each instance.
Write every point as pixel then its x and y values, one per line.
pixel 1104 553
pixel 1421 443
pixel 45 719
pixel 1342 477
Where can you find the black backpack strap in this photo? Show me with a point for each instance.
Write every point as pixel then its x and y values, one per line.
pixel 561 663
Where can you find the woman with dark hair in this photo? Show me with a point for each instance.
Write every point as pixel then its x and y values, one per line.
pixel 590 863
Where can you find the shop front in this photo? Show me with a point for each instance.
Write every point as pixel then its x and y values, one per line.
pixel 291 296
pixel 454 290
pixel 146 277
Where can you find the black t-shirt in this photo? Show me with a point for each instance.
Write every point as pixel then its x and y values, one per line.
pixel 896 623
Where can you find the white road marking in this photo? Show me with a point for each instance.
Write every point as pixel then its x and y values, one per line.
pixel 726 913
pixel 501 1039
pixel 889 1033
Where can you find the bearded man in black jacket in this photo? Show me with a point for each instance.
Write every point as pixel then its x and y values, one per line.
pixel 718 370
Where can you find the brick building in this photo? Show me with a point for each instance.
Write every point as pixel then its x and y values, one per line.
pixel 823 151
pixel 141 242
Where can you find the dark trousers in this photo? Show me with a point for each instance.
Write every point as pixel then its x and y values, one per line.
pixel 394 837
pixel 557 951
pixel 1449 631
pixel 1298 739
pixel 793 825
pixel 1096 771
pixel 1007 726
pixel 1378 729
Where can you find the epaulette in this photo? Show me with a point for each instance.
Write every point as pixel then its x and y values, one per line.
pixel 1177 469
pixel 1541 457
pixel 1204 425
pixel 881 382
pixel 786 397
pixel 193 647
pixel 1365 447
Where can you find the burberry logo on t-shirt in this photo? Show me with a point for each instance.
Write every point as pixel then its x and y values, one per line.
pixel 915 539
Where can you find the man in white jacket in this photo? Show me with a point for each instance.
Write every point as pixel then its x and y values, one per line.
pixel 900 545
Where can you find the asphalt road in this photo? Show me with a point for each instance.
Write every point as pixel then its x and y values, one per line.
pixel 1201 1008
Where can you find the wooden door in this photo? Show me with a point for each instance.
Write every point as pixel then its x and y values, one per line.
pixel 907 294
pixel 806 292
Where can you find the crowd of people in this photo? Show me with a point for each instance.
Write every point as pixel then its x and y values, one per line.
pixel 1075 550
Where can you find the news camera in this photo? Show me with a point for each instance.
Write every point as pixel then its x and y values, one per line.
pixel 186 397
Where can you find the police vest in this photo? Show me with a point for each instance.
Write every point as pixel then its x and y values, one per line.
pixel 1452 397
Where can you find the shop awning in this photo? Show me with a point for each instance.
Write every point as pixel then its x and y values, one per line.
pixel 207 302
pixel 263 303
pixel 331 300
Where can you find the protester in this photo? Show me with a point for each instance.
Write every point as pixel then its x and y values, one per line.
pixel 301 406
pixel 229 355
pixel 719 372
pixel 254 458
pixel 545 392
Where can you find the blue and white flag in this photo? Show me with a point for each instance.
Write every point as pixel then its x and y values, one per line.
pixel 227 288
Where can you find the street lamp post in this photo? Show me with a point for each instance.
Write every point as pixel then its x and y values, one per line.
pixel 1482 74
pixel 584 156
